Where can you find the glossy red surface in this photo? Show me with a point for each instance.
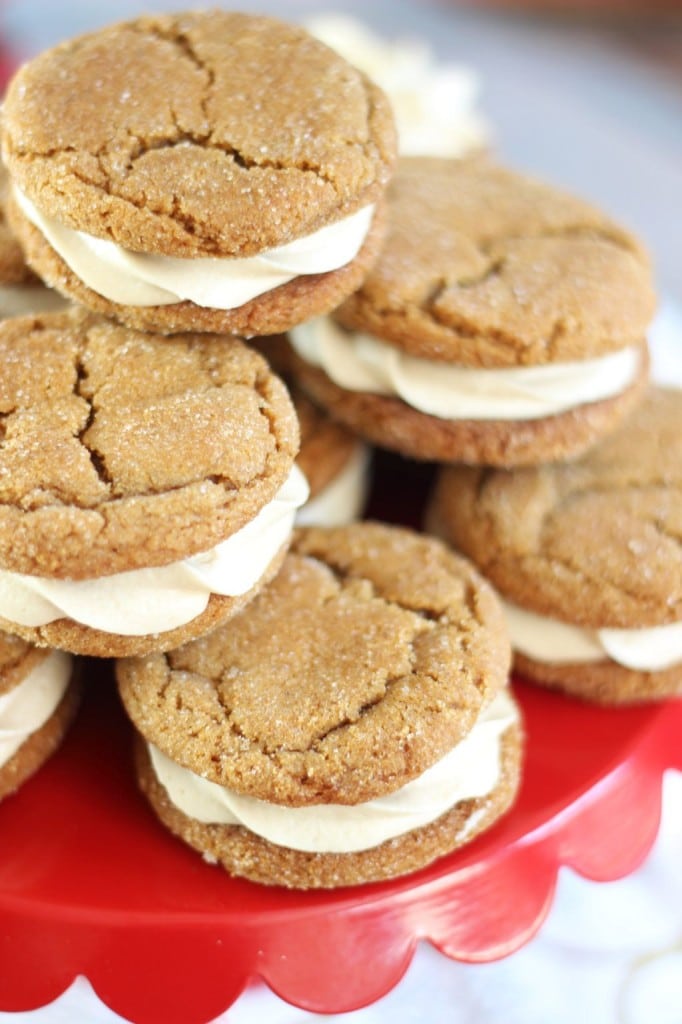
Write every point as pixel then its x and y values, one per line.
pixel 91 884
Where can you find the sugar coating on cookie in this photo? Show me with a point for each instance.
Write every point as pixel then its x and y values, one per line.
pixel 586 556
pixel 485 267
pixel 38 699
pixel 173 149
pixel 504 322
pixel 120 452
pixel 367 658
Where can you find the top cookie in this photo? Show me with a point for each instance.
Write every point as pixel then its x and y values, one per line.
pixel 119 452
pixel 368 657
pixel 595 542
pixel 485 267
pixel 201 134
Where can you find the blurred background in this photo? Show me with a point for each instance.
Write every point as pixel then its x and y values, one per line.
pixel 587 95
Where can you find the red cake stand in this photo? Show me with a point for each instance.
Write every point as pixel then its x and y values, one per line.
pixel 91 883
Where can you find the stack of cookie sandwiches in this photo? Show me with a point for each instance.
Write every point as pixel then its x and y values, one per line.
pixel 173 179
pixel 502 334
pixel 186 180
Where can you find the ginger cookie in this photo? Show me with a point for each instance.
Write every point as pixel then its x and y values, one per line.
pixel 39 697
pixel 504 323
pixel 146 490
pixel 336 464
pixel 20 290
pixel 208 171
pixel 352 724
pixel 587 557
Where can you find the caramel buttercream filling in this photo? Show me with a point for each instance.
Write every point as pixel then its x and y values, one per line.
pixel 159 598
pixel 548 640
pixel 147 279
pixel 470 770
pixel 27 706
pixel 363 363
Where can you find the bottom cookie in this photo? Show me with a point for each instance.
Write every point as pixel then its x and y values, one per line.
pixel 602 682
pixel 247 855
pixel 388 422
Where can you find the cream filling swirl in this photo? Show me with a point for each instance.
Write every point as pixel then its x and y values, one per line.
pixel 548 640
pixel 153 600
pixel 27 706
pixel 145 279
pixel 344 497
pixel 471 769
pixel 360 362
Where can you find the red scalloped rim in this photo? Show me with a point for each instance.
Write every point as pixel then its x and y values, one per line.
pixel 91 884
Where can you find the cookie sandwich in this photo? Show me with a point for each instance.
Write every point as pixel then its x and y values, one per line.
pixel 208 171
pixel 504 323
pixel 352 724
pixel 20 290
pixel 39 696
pixel 336 464
pixel 586 557
pixel 147 489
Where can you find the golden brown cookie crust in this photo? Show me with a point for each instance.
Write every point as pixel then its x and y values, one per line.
pixel 247 855
pixel 485 267
pixel 306 296
pixel 68 635
pixel 391 423
pixel 195 135
pixel 602 682
pixel 368 657
pixel 326 446
pixel 596 542
pixel 121 453
pixel 35 750
pixel 17 660
pixel 13 267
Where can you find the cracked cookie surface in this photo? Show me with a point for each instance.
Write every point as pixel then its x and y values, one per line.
pixel 118 452
pixel 203 134
pixel 596 542
pixel 368 657
pixel 484 267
